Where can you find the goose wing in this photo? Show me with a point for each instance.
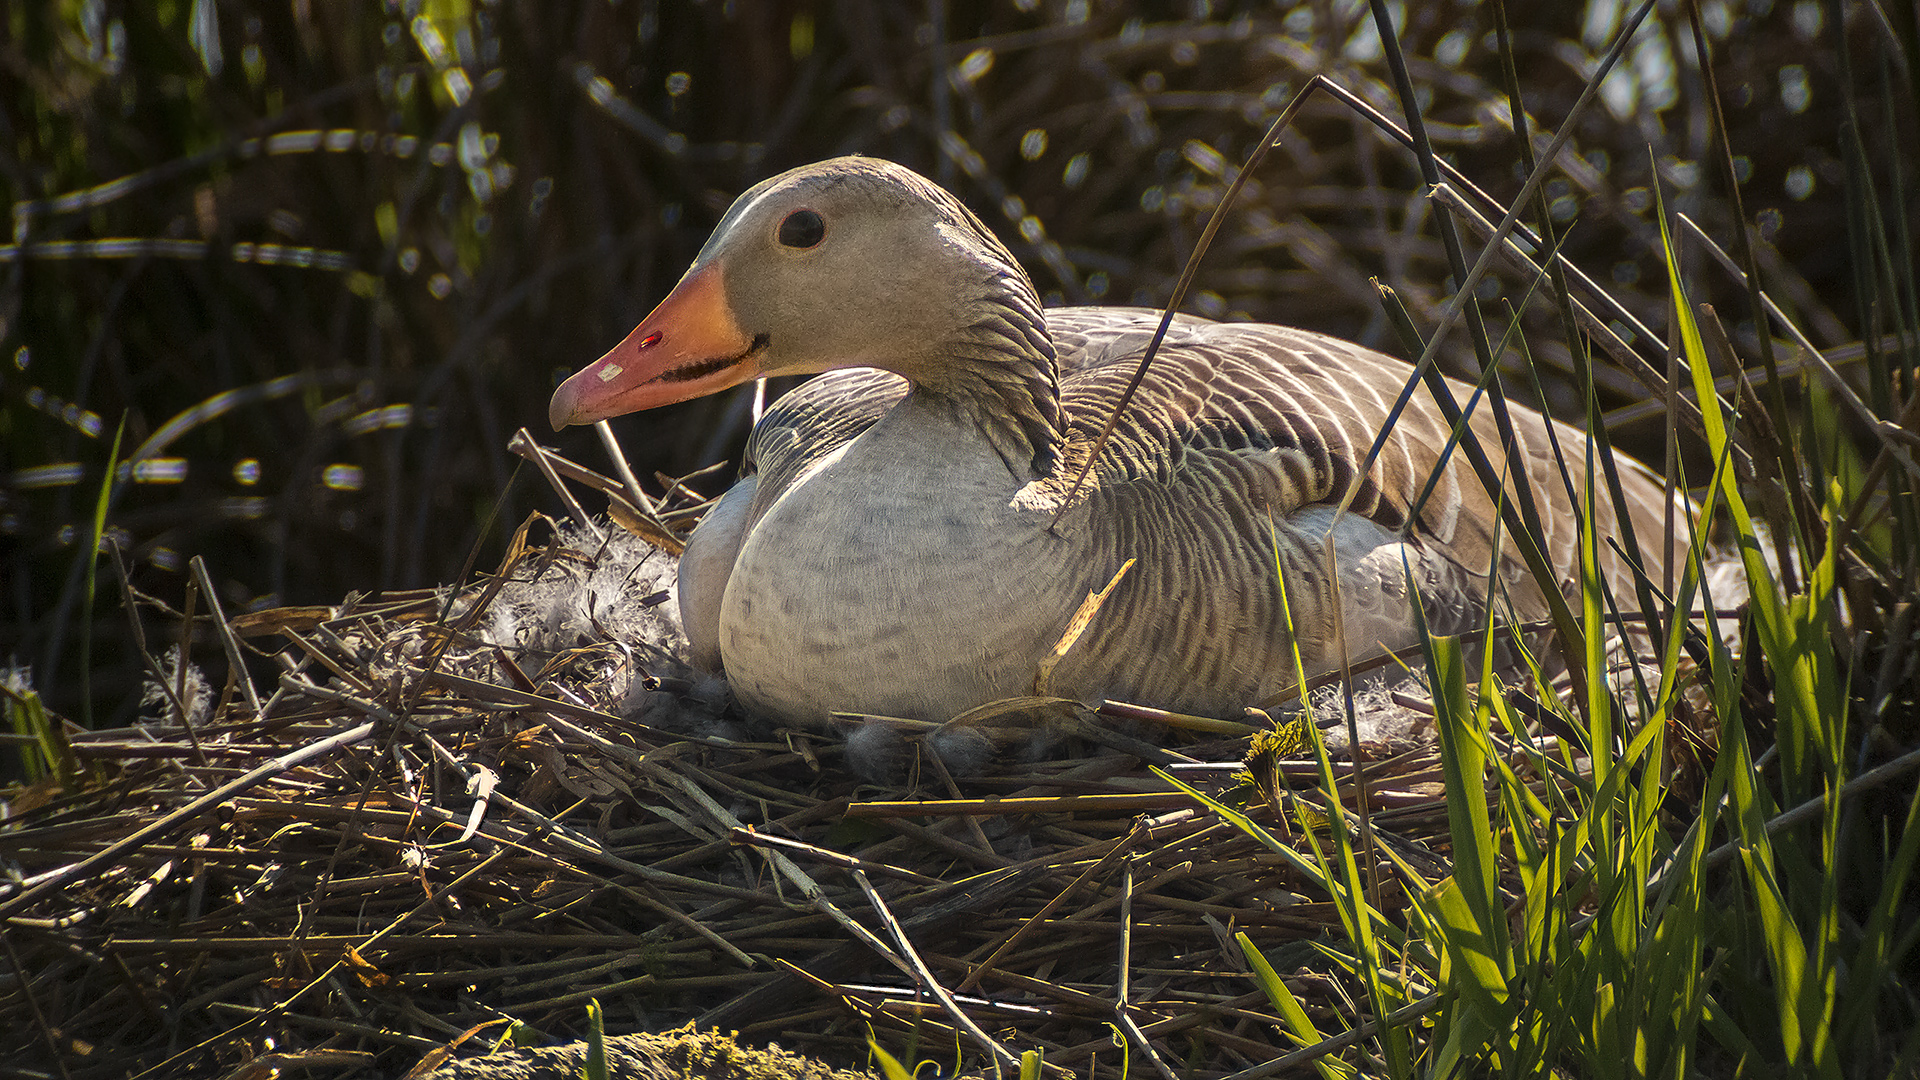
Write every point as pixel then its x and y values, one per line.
pixel 811 421
pixel 1241 431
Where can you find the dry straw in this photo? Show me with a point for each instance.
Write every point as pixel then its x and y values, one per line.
pixel 346 862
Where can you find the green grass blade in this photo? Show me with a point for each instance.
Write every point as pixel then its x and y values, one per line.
pixel 91 553
pixel 1290 1011
pixel 29 717
pixel 595 1065
pixel 1476 862
pixel 890 1067
pixel 1796 899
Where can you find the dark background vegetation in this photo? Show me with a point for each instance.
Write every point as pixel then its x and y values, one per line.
pixel 319 260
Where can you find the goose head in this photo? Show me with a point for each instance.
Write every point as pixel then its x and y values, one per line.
pixel 853 262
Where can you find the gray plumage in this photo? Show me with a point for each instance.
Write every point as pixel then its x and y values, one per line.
pixel 897 552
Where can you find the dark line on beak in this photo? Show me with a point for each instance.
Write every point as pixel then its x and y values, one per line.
pixel 700 369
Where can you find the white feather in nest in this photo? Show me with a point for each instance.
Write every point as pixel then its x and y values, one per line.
pixel 617 594
pixel 194 692
pixel 617 589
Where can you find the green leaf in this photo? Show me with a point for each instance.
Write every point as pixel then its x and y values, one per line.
pixel 1299 1026
pixel 29 717
pixel 890 1066
pixel 1476 862
pixel 91 553
pixel 595 1067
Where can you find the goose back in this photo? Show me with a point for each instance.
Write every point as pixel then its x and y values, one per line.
pixel 1226 465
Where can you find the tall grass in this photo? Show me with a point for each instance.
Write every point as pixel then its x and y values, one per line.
pixel 1600 919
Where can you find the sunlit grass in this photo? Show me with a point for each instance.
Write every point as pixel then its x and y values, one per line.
pixel 1585 925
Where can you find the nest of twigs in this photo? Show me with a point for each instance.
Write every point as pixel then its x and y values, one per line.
pixel 461 812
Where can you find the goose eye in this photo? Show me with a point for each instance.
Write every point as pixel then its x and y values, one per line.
pixel 803 229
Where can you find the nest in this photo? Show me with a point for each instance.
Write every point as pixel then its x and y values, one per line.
pixel 473 811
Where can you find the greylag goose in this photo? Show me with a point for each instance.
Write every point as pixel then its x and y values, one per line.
pixel 904 544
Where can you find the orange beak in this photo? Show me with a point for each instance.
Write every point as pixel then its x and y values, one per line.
pixel 690 346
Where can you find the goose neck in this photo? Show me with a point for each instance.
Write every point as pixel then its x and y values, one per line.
pixel 1001 374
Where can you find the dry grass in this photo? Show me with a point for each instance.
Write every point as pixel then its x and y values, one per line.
pixel 513 849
